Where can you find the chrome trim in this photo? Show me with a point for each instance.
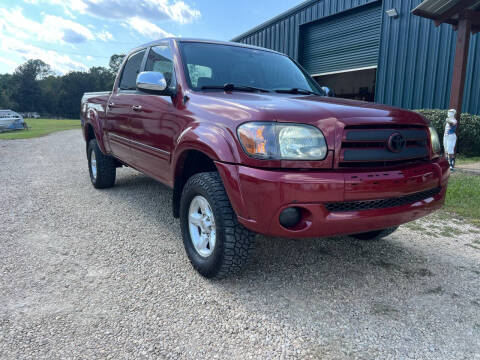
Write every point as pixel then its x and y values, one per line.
pixel 138 143
pixel 151 80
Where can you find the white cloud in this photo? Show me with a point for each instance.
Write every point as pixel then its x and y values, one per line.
pixel 146 28
pixel 51 29
pixel 155 10
pixel 60 63
pixel 137 13
pixel 104 35
pixel 181 12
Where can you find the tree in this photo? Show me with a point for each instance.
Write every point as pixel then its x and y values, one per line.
pixel 103 78
pixel 34 69
pixel 26 90
pixel 115 62
pixel 6 89
pixel 34 87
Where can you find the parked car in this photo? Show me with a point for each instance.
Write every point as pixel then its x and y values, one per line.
pixel 249 144
pixel 10 120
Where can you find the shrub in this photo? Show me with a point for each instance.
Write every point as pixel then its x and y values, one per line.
pixel 468 131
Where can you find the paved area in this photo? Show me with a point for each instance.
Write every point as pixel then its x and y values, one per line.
pixel 102 274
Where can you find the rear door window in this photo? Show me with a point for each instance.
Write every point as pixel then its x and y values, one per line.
pixel 131 70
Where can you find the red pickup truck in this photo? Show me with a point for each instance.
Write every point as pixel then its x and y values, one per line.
pixel 250 143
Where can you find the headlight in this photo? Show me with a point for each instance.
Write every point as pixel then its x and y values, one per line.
pixel 269 140
pixel 436 146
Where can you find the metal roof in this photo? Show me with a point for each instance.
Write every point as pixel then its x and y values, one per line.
pixel 436 8
pixel 449 11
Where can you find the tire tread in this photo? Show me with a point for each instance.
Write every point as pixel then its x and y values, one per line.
pixel 237 240
pixel 106 167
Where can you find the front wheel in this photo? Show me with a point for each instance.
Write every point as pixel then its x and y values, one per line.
pixel 374 235
pixel 216 243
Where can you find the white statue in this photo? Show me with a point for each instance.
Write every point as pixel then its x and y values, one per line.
pixel 450 137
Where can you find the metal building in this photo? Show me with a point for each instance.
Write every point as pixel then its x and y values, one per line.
pixel 374 50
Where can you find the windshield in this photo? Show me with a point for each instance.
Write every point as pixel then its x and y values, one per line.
pixel 214 65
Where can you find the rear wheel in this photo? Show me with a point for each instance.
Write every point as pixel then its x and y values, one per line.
pixel 374 235
pixel 216 243
pixel 102 168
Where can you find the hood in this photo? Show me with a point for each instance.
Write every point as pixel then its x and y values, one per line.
pixel 241 106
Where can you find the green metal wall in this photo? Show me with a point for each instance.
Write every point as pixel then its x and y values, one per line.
pixel 282 32
pixel 346 41
pixel 416 62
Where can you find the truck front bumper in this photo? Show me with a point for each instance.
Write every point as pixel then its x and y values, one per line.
pixel 334 202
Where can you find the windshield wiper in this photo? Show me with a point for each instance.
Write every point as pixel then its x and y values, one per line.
pixel 232 87
pixel 295 91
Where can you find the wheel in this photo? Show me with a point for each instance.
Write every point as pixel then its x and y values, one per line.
pixel 375 235
pixel 217 245
pixel 102 168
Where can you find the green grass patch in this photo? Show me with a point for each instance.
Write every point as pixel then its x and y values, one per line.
pixel 415 226
pixel 461 160
pixel 448 231
pixel 40 127
pixel 463 196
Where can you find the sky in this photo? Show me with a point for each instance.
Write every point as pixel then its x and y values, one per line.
pixel 74 35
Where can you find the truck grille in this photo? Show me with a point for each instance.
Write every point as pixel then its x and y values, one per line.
pixel 365 146
pixel 382 203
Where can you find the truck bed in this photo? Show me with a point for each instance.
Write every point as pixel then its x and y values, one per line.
pixel 89 96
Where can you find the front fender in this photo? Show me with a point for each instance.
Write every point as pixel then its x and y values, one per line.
pixel 220 145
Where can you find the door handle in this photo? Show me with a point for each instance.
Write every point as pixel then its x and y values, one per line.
pixel 137 108
pixel 111 104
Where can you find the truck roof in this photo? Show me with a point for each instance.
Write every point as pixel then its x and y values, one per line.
pixel 182 39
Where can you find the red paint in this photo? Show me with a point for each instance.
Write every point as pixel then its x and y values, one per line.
pixel 266 193
pixel 155 140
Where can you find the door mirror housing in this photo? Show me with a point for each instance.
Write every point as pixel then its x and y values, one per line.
pixel 152 81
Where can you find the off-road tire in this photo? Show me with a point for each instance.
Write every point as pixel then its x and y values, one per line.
pixel 234 243
pixel 106 167
pixel 374 235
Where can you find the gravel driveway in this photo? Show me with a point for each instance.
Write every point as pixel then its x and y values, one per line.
pixel 103 274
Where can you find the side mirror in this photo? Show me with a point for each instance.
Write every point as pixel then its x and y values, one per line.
pixel 328 92
pixel 151 81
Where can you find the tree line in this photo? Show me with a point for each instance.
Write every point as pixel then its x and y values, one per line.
pixel 33 87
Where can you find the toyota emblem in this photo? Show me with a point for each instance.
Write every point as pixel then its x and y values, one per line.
pixel 396 142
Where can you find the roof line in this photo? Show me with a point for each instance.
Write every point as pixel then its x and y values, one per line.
pixel 275 19
pixel 206 41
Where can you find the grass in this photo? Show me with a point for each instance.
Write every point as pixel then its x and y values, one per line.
pixel 40 127
pixel 463 196
pixel 461 160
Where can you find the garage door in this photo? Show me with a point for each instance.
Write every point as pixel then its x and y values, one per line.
pixel 342 42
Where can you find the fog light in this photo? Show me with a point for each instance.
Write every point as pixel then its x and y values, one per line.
pixel 290 217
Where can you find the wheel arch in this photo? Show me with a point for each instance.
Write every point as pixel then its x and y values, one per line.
pixel 198 150
pixel 93 130
pixel 89 133
pixel 190 162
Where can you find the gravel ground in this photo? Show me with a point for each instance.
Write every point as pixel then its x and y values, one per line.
pixel 102 274
pixel 473 168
